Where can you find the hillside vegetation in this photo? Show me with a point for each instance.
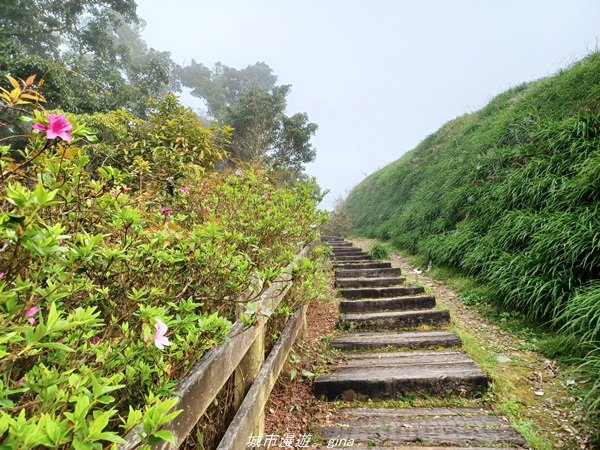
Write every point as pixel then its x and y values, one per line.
pixel 510 194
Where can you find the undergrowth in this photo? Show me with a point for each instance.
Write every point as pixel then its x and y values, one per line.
pixel 121 263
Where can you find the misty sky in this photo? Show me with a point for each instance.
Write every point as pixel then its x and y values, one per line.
pixel 378 76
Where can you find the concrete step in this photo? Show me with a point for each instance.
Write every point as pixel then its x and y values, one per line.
pixel 352 253
pixel 346 248
pixel 396 340
pixel 351 258
pixel 355 293
pixel 380 376
pixel 368 273
pixel 368 282
pixel 337 248
pixel 475 428
pixel 388 304
pixel 361 265
pixel 393 320
pixel 340 443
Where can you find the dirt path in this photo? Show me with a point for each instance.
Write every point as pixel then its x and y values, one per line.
pixel 533 391
pixel 529 387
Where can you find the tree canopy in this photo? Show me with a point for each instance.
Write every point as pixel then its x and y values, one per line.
pixel 92 59
pixel 255 106
pixel 89 53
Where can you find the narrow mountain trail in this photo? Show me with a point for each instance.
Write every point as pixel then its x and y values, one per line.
pixel 396 344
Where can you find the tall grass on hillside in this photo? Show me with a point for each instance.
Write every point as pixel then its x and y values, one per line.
pixel 511 194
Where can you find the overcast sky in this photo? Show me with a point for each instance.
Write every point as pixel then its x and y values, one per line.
pixel 378 76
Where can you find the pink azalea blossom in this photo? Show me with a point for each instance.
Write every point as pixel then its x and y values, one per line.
pixel 185 190
pixel 166 212
pixel 96 340
pixel 126 189
pixel 21 380
pixel 159 338
pixel 114 192
pixel 2 275
pixel 265 196
pixel 30 313
pixel 58 127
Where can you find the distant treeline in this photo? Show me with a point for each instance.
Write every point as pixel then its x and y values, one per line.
pixel 91 58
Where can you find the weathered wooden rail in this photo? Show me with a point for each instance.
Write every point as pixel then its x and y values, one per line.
pixel 241 354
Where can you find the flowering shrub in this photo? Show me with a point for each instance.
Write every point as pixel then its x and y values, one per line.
pixel 115 280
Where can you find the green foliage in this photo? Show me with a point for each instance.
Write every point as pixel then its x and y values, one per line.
pixel 511 194
pixel 339 223
pixel 251 102
pixel 161 149
pixel 223 86
pixel 379 251
pixel 94 257
pixel 89 53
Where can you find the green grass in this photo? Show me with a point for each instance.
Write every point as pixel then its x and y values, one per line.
pixel 509 195
pixel 379 251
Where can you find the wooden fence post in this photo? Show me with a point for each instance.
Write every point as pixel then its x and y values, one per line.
pixel 249 366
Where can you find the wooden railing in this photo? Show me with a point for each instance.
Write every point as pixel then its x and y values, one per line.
pixel 242 353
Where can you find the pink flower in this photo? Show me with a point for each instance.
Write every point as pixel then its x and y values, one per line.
pixel 166 212
pixel 265 196
pixel 238 173
pixel 114 192
pixel 21 380
pixel 30 313
pixel 58 126
pixel 126 189
pixel 159 338
pixel 2 275
pixel 185 190
pixel 96 340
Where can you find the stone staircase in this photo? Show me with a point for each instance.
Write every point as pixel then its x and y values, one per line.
pixel 395 344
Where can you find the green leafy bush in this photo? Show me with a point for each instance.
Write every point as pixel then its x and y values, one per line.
pixel 115 279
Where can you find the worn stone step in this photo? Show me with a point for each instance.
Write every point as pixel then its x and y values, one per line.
pixel 341 248
pixel 368 273
pixel 341 244
pixel 362 265
pixel 348 248
pixel 397 359
pixel 420 373
pixel 438 427
pixel 340 443
pixel 396 340
pixel 388 304
pixel 395 291
pixel 348 254
pixel 349 251
pixel 394 319
pixel 368 282
pixel 351 258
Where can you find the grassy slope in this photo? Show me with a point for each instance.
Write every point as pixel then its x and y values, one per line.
pixel 511 194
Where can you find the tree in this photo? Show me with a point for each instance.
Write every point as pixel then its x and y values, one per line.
pixel 41 27
pixel 89 53
pixel 251 102
pixel 223 86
